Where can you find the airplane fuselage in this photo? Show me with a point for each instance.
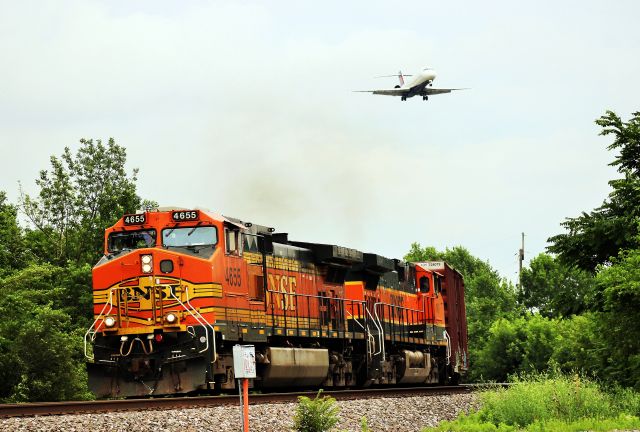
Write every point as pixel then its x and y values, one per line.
pixel 421 80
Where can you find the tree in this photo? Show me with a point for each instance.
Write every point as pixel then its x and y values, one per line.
pixel 580 346
pixel 45 309
pixel 554 289
pixel 51 367
pixel 594 237
pixel 45 270
pixel 620 285
pixel 13 254
pixel 515 346
pixel 79 197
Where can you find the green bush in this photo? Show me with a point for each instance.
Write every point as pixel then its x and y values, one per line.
pixel 558 403
pixel 45 310
pixel 626 400
pixel 474 424
pixel 541 398
pixel 621 422
pixel 521 345
pixel 316 415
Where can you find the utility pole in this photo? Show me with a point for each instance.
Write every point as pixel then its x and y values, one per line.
pixel 520 259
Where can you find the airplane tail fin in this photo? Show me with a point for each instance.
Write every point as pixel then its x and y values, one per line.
pixel 400 76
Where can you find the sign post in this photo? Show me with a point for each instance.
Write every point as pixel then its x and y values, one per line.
pixel 244 367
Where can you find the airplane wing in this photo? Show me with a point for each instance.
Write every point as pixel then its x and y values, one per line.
pixel 405 91
pixel 433 91
pixel 389 92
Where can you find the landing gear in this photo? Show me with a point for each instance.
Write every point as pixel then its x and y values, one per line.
pixel 425 98
pixel 404 98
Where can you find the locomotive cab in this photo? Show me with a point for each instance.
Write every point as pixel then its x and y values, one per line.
pixel 152 323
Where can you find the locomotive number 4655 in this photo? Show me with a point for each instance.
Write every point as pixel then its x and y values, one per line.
pixel 185 215
pixel 134 219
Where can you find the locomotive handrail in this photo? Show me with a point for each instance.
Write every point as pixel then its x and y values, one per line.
pixel 380 333
pixel 91 330
pixel 398 307
pixel 370 339
pixel 213 331
pixel 356 320
pixel 375 311
pixel 317 296
pixel 343 300
pixel 201 320
pixel 446 336
pixel 198 319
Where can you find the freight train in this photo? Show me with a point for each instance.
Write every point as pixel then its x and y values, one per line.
pixel 176 289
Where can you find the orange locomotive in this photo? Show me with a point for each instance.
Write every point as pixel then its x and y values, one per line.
pixel 176 289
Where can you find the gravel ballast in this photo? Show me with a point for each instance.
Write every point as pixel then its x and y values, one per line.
pixel 383 414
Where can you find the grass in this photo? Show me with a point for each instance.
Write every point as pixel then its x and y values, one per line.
pixel 551 403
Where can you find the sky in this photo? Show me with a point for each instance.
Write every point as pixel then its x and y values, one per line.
pixel 247 108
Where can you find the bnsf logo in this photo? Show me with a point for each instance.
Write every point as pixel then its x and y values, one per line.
pixel 282 292
pixel 144 293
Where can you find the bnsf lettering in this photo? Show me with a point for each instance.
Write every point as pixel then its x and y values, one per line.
pixel 397 300
pixel 139 293
pixel 286 286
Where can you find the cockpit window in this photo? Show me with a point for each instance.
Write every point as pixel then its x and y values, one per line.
pixel 189 236
pixel 129 240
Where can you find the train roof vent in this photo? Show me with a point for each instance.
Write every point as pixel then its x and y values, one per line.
pixel 280 238
pixel 378 264
pixel 332 254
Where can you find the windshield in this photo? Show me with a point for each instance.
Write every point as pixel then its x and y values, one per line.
pixel 189 236
pixel 129 240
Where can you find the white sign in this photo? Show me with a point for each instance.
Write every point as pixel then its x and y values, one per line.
pixel 432 265
pixel 244 361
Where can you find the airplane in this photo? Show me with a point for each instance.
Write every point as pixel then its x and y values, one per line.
pixel 420 86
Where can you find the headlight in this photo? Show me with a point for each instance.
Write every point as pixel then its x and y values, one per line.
pixel 147 263
pixel 109 321
pixel 171 318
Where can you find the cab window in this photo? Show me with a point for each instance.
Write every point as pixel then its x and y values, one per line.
pixel 437 285
pixel 424 284
pixel 189 236
pixel 129 240
pixel 233 241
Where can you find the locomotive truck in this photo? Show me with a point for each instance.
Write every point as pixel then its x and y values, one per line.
pixel 176 289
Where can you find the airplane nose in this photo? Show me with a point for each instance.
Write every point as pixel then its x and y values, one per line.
pixel 430 74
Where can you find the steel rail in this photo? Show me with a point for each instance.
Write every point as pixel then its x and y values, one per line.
pixel 84 407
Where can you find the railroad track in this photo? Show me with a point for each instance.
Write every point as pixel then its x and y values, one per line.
pixel 83 407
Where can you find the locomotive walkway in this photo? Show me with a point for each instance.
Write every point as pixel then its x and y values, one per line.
pixel 81 407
